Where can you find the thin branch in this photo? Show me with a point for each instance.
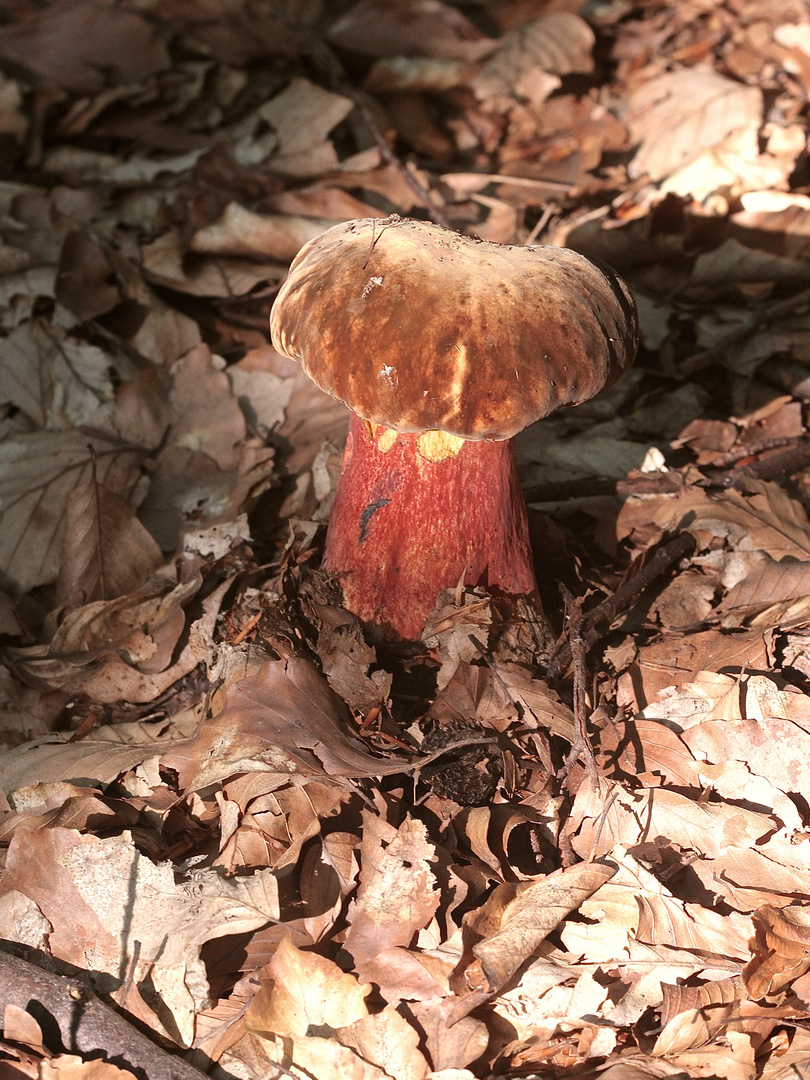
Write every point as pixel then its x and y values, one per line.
pixel 762 317
pixel 603 614
pixel 794 459
pixel 86 1025
pixel 387 154
pixel 581 746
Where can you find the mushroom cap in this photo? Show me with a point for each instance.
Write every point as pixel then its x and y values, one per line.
pixel 419 328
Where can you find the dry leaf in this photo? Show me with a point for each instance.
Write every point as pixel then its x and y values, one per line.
pixel 107 552
pixel 241 232
pixel 397 897
pixel 434 29
pixel 39 476
pixel 681 112
pixel 305 992
pixel 118 896
pixel 531 917
pixel 284 717
pixel 557 43
pixel 781 949
pixel 73 45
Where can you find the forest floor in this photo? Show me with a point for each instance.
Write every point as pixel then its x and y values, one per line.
pixel 218 813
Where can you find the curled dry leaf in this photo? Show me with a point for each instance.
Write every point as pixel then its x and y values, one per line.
pixel 461 618
pixel 346 658
pixel 692 1015
pixel 84 278
pixel 781 949
pixel 106 676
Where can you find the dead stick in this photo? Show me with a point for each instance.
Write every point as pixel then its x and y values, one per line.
pixel 85 1024
pixel 387 154
pixel 764 316
pixel 645 484
pixel 769 468
pixel 581 745
pixel 672 551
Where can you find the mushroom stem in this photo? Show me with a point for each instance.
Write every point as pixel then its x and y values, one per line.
pixel 404 527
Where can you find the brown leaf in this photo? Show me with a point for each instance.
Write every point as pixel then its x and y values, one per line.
pixel 105 753
pixel 678 113
pixel 84 278
pixel 207 469
pixel 118 896
pixel 646 749
pixel 53 376
pixel 154 663
pixel 387 1040
pixel 782 949
pixel 532 916
pixel 241 232
pixel 107 553
pixel 73 45
pixel 72 1067
pixel 397 895
pixel 773 747
pixel 459 616
pixel 768 583
pixel 305 991
pixel 451 1043
pixel 676 659
pixel 375 28
pixel 286 705
pixel 541 705
pixel 529 57
pixel 39 475
pixel 693 1015
pixel 346 657
pixel 708 828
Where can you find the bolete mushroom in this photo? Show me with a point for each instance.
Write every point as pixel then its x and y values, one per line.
pixel 443 347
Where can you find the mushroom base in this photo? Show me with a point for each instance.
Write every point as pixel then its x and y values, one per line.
pixel 404 528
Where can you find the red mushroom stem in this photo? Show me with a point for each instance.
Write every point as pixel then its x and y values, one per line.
pixel 403 527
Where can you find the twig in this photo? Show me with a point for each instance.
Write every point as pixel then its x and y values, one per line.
pixel 763 316
pixel 672 551
pixel 581 745
pixel 731 457
pixel 789 461
pixel 85 1024
pixel 795 457
pixel 653 484
pixel 387 154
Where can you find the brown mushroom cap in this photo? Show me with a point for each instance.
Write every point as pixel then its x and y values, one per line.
pixel 419 328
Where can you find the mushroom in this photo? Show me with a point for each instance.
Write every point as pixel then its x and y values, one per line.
pixel 443 347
